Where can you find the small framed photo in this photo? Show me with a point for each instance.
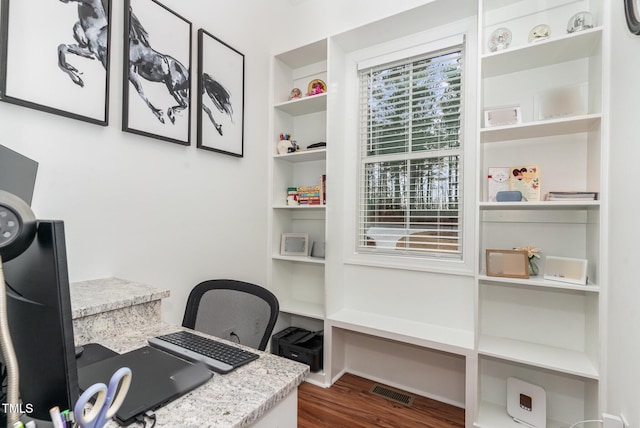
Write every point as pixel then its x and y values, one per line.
pixel 502 116
pixel 294 244
pixel 507 263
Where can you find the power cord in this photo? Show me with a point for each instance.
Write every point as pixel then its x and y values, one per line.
pixel 149 415
pixel 587 421
pixel 232 334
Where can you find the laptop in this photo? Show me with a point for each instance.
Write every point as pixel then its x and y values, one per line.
pixel 157 379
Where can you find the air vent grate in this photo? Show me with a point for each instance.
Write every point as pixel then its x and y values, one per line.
pixel 392 394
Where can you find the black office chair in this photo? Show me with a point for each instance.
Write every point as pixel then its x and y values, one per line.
pixel 234 310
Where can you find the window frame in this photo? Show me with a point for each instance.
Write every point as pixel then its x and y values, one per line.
pixel 407 157
pixel 427 41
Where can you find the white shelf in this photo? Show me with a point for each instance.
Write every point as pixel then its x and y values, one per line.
pixel 431 336
pixel 305 55
pixel 540 282
pixel 305 309
pixel 542 205
pixel 306 105
pixel 547 357
pixel 299 259
pixel 541 128
pixel 299 207
pixel 303 156
pixel 491 415
pixel 555 50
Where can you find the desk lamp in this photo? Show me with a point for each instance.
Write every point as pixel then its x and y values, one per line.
pixel 17 230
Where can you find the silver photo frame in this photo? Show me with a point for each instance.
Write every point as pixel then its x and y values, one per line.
pixel 294 244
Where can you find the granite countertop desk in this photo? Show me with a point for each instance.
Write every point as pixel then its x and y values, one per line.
pixel 262 393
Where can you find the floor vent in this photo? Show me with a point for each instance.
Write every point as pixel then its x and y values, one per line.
pixel 392 394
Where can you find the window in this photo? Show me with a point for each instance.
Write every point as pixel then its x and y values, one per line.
pixel 411 156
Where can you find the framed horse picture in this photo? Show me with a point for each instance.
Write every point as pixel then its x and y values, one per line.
pixel 220 96
pixel 54 56
pixel 157 72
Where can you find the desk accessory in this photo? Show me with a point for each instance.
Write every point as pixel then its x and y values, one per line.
pixel 300 345
pixel 217 356
pixel 526 403
pixel 18 226
pixel 108 400
pixel 510 196
pixel 157 378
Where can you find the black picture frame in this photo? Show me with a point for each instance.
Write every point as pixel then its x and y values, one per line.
pixel 632 14
pixel 66 70
pixel 156 72
pixel 220 96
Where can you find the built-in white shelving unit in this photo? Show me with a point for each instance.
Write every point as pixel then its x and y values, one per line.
pixel 298 281
pixel 545 332
pixel 379 315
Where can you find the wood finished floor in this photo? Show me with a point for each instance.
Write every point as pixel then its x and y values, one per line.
pixel 348 403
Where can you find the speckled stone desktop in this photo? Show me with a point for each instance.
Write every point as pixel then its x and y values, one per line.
pixel 121 315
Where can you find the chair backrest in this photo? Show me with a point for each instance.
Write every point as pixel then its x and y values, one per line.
pixel 232 310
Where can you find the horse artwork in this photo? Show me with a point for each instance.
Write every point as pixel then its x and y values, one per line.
pixel 160 80
pixel 221 96
pixel 91 33
pixel 55 57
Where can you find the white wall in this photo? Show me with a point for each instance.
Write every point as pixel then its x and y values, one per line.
pixel 148 210
pixel 623 395
pixel 311 20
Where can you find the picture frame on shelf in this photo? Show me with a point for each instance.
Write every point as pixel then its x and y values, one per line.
pixel 294 244
pixel 156 103
pixel 561 102
pixel 507 263
pixel 45 67
pixel 502 116
pixel 220 96
pixel 497 181
pixel 526 180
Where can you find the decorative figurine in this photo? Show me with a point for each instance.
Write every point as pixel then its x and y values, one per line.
pixel 500 39
pixel 316 87
pixel 539 32
pixel 295 94
pixel 580 21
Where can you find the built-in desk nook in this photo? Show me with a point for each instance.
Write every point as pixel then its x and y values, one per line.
pixel 122 315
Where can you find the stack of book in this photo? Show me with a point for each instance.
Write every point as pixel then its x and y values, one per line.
pixel 309 195
pixel 572 196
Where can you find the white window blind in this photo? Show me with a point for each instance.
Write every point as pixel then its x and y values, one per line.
pixel 411 154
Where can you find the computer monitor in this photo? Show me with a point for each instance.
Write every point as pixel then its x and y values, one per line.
pixel 39 314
